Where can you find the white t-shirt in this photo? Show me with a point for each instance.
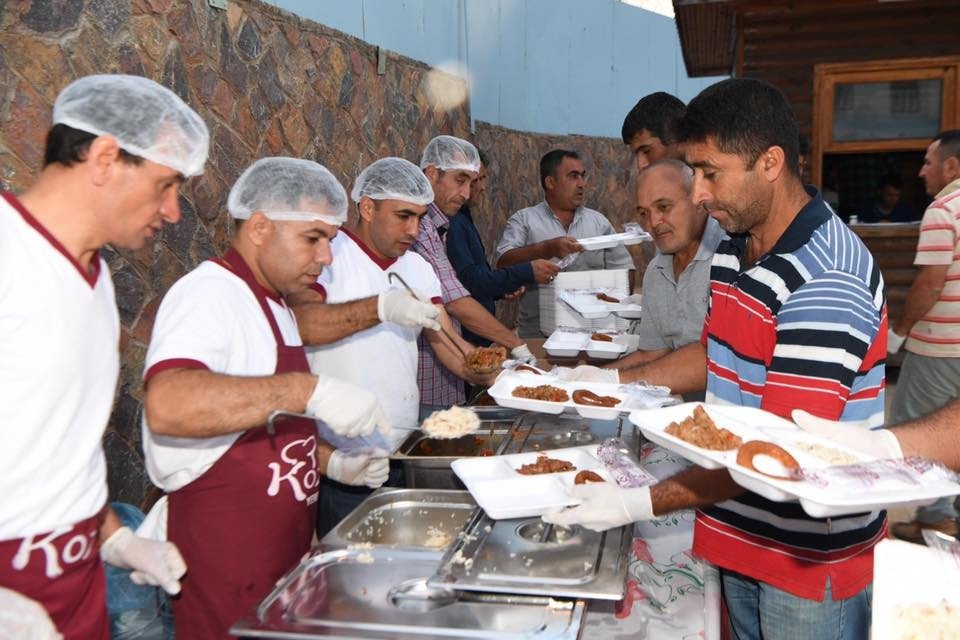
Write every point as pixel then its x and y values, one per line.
pixel 209 319
pixel 384 357
pixel 59 362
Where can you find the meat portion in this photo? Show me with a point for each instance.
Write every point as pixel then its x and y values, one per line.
pixel 545 465
pixel 486 359
pixel 542 392
pixel 605 298
pixel 700 430
pixel 601 337
pixel 586 476
pixel 589 398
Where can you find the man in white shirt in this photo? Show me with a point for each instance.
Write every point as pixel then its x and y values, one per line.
pixel 226 352
pixel 551 228
pixel 369 259
pixel 118 151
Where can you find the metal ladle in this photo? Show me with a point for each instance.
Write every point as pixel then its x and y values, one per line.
pixel 391 276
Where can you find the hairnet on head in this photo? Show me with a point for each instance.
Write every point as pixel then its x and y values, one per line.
pixel 145 119
pixel 450 154
pixel 288 189
pixel 393 179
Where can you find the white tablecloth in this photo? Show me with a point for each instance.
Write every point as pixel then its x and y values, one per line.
pixel 670 594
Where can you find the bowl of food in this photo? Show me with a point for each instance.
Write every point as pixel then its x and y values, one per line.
pixel 486 359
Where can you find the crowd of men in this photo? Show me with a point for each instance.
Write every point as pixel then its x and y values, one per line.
pixel 759 296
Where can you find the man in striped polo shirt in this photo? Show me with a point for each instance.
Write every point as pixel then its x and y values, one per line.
pixel 797 318
pixel 930 322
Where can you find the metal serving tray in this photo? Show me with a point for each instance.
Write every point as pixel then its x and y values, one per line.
pixel 527 556
pixel 415 518
pixel 382 594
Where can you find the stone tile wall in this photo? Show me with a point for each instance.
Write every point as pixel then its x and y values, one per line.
pixel 267 83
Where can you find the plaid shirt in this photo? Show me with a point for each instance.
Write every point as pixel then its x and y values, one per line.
pixel 438 385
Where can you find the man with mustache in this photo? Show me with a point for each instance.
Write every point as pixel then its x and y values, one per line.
pixel 391 197
pixel 676 284
pixel 451 165
pixel 550 230
pixel 224 353
pixel 797 318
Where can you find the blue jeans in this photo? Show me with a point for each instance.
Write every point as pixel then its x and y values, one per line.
pixel 759 611
pixel 137 612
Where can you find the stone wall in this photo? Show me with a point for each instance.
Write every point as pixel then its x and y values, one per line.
pixel 267 83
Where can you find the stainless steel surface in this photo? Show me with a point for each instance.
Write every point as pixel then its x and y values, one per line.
pixel 417 518
pixel 382 594
pixel 522 556
pixel 543 432
pixel 277 414
pixel 396 276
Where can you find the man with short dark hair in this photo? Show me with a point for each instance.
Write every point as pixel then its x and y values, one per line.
pixel 469 257
pixel 550 230
pixel 886 205
pixel 930 320
pixel 797 318
pixel 649 127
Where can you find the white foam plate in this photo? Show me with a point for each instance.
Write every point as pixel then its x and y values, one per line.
pixel 606 242
pixel 504 493
pixel 905 576
pixel 502 393
pixel 585 302
pixel 839 497
pixel 563 343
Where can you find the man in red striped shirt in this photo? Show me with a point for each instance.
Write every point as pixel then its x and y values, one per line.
pixel 930 322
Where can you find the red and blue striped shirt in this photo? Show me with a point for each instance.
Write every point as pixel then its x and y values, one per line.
pixel 803 327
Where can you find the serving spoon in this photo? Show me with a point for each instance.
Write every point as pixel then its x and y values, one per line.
pixel 396 276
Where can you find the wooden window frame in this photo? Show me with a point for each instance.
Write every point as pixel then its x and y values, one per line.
pixel 827 76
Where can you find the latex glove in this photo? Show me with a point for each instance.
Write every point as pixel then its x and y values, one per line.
pixel 604 505
pixel 522 354
pixel 587 373
pixel 399 307
pixel 880 443
pixel 894 341
pixel 347 409
pixel 359 467
pixel 152 561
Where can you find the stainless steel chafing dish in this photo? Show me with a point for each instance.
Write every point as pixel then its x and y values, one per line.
pixel 426 461
pixel 370 578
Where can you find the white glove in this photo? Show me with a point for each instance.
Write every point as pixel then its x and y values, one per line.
pixel 522 354
pixel 587 373
pixel 604 505
pixel 152 561
pixel 364 466
pixel 894 341
pixel 880 443
pixel 400 307
pixel 347 409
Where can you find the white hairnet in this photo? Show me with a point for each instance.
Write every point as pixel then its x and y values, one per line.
pixel 146 119
pixel 393 179
pixel 450 154
pixel 288 189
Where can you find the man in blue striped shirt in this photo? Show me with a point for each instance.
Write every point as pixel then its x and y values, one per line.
pixel 797 318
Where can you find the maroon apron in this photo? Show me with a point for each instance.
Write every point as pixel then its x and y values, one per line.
pixel 61 570
pixel 249 518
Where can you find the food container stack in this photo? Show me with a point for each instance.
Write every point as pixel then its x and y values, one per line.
pixel 554 312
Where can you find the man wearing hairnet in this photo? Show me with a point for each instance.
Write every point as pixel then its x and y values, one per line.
pixel 372 258
pixel 225 352
pixel 118 151
pixel 451 165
